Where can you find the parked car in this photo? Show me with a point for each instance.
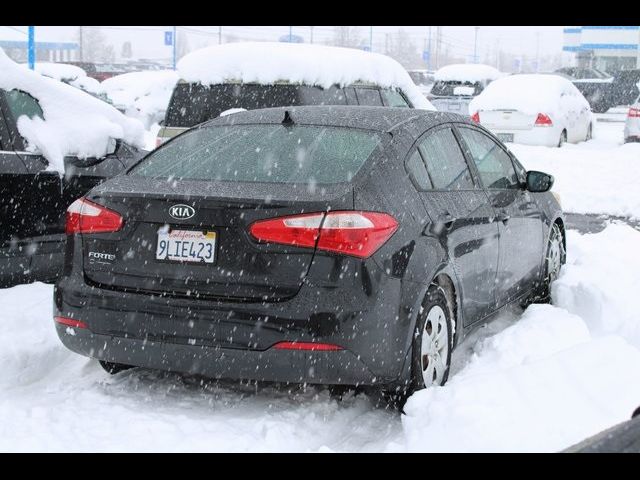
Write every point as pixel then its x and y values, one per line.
pixel 621 438
pixel 244 76
pixel 424 79
pixel 625 87
pixel 456 85
pixel 100 71
pixel 327 244
pixel 632 126
pixel 595 85
pixel 54 147
pixel 534 109
pixel 72 75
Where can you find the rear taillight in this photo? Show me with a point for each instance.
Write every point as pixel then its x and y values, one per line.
pixel 634 112
pixel 359 234
pixel 84 216
pixel 543 120
pixel 309 346
pixel 476 117
pixel 160 141
pixel 70 322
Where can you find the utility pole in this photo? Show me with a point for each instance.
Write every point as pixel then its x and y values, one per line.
pixel 537 52
pixel 371 39
pixel 32 48
pixel 81 43
pixel 311 35
pixel 386 43
pixel 219 35
pixel 290 34
pixel 475 46
pixel 438 41
pixel 429 62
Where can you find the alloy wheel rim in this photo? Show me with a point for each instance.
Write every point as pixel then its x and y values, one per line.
pixel 434 347
pixel 554 257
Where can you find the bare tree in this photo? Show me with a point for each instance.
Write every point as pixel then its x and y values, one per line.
pixel 346 37
pixel 95 47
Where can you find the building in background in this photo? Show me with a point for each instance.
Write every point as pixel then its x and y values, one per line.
pixel 14 42
pixel 605 48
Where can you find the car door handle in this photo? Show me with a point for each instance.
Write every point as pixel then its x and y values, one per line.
pixel 502 217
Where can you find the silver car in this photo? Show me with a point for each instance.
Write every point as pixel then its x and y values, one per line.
pixel 632 127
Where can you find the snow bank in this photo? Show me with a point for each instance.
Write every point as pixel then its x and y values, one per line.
pixel 598 176
pixel 268 62
pixel 557 375
pixel 529 93
pixel 75 123
pixel 142 95
pixel 467 72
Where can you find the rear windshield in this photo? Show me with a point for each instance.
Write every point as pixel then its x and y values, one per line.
pixel 194 103
pixel 447 88
pixel 262 153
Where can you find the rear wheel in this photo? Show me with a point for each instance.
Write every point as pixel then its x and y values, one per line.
pixel 114 368
pixel 563 138
pixel 432 342
pixel 589 133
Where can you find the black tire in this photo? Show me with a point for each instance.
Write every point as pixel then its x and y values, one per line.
pixel 589 133
pixel 563 138
pixel 114 368
pixel 435 304
pixel 550 273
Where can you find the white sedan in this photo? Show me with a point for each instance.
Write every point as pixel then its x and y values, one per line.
pixel 534 109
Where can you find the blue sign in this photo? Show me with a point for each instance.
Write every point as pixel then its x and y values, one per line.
pixel 168 38
pixel 426 55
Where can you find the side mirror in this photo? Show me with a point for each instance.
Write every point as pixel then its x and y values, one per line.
pixel 539 181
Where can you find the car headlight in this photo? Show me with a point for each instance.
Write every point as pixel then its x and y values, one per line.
pixel 556 195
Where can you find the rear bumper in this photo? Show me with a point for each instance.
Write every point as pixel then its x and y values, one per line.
pixel 319 367
pixel 542 136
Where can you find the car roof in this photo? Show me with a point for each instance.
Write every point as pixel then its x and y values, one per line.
pixel 382 119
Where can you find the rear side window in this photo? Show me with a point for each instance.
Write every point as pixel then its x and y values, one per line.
pixel 418 171
pixel 192 104
pixel 369 97
pixel 393 98
pixel 263 153
pixel 21 103
pixel 445 162
pixel 493 163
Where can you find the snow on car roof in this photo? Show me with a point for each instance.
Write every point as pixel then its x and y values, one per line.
pixel 463 72
pixel 270 62
pixel 75 123
pixel 59 71
pixel 528 93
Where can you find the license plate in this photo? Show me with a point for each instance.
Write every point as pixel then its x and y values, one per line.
pixel 505 137
pixel 454 106
pixel 191 246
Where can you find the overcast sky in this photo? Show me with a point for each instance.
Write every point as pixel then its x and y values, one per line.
pixel 148 41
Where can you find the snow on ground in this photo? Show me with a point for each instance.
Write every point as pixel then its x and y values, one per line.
pixel 598 176
pixel 538 381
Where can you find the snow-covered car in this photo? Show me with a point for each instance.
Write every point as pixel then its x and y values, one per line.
pixel 72 75
pixel 56 143
pixel 534 109
pixel 594 84
pixel 423 79
pixel 632 125
pixel 142 95
pixel 456 85
pixel 255 75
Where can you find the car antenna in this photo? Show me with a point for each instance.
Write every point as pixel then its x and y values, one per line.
pixel 287 121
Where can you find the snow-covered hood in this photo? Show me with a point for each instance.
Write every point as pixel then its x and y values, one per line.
pixel 269 62
pixel 75 123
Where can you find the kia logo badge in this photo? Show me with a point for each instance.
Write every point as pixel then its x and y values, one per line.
pixel 181 212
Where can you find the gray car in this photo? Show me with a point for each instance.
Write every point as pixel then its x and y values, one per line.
pixel 632 127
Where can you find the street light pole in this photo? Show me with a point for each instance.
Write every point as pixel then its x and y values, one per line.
pixel 429 47
pixel 311 36
pixel 175 41
pixel 219 35
pixel 32 48
pixel 290 34
pixel 475 46
pixel 371 39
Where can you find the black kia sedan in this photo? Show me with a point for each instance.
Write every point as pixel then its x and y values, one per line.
pixel 328 245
